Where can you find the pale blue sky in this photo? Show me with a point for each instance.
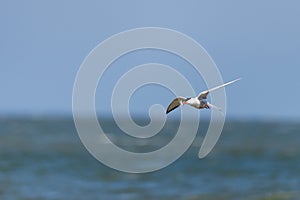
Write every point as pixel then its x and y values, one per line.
pixel 43 43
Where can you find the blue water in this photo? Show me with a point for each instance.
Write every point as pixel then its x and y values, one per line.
pixel 44 159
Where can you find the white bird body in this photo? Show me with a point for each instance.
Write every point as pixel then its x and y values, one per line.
pixel 194 102
pixel 198 102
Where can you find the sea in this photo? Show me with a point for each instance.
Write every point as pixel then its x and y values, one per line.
pixel 44 158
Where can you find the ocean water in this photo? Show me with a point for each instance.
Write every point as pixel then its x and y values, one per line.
pixel 45 159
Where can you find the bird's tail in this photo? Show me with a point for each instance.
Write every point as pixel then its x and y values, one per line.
pixel 215 107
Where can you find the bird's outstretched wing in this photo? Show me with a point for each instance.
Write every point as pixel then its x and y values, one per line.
pixel 204 94
pixel 175 104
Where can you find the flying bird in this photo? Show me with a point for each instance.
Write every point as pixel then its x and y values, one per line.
pixel 199 101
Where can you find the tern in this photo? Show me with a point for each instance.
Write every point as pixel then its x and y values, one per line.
pixel 199 101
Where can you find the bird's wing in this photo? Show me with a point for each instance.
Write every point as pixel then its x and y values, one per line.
pixel 204 94
pixel 175 104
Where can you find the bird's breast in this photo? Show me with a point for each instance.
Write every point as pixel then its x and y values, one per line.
pixel 195 103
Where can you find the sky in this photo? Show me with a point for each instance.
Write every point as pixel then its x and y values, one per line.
pixel 43 44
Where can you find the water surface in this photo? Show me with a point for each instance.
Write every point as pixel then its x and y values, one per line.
pixel 44 159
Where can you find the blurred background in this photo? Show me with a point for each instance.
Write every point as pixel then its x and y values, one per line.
pixel 42 45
